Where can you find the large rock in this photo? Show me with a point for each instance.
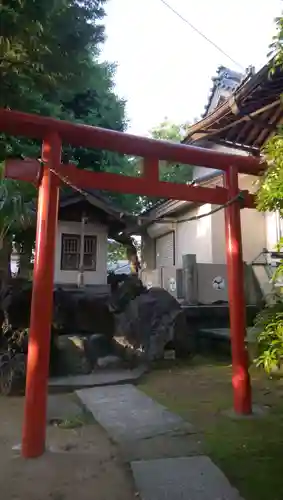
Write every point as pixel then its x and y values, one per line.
pixel 150 320
pixel 74 311
pixel 124 291
pixel 80 311
pixel 15 301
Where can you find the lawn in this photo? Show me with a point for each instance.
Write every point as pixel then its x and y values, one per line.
pixel 250 452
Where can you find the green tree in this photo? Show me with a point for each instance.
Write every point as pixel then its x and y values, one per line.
pixel 172 172
pixel 116 252
pixel 16 217
pixel 270 198
pixel 49 65
pixel 169 172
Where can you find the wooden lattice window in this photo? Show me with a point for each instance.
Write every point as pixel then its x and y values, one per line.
pixel 70 254
pixel 71 249
pixel 90 245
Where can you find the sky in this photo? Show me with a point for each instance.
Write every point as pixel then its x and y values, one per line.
pixel 164 68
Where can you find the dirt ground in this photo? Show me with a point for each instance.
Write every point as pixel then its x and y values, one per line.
pixel 81 463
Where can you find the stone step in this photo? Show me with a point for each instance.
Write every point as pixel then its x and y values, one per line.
pixel 185 478
pixel 138 423
pixel 103 378
pixel 128 414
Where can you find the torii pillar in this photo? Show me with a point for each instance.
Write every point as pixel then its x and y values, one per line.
pixel 33 438
pixel 237 303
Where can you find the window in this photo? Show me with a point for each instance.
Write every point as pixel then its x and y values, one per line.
pixel 71 249
pixel 90 243
pixel 70 253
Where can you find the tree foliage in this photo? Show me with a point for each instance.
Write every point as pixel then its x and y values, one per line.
pixel 16 212
pixel 49 65
pixel 116 252
pixel 172 172
pixel 17 220
pixel 269 323
pixel 270 198
pixel 270 194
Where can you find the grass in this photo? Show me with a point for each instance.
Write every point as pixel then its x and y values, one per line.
pixel 248 451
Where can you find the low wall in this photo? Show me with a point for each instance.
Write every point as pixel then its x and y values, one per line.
pixel 200 283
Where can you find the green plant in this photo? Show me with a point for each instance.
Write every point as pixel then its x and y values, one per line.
pixel 270 340
pixel 270 198
pixel 269 323
pixel 15 214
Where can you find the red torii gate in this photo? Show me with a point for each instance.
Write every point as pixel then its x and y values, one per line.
pixel 55 132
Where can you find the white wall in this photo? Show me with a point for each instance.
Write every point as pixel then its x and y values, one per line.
pixel 272 230
pixel 194 237
pixel 253 235
pixel 206 238
pixel 97 277
pixel 156 229
pixel 253 228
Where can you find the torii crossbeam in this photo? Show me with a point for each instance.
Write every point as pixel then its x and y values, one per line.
pixel 55 132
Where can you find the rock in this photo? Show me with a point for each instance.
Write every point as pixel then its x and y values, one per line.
pixel 107 361
pixel 126 290
pixel 73 360
pixel 97 346
pixel 81 311
pixel 151 320
pixel 73 310
pixel 115 279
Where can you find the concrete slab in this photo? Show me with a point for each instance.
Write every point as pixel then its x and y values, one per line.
pixel 185 478
pixel 167 445
pixel 105 377
pixel 128 414
pixel 62 406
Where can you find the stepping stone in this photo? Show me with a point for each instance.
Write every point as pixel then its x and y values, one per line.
pixel 128 414
pixel 186 478
pixel 105 377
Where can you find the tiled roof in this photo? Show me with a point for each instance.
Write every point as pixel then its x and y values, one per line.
pixel 249 117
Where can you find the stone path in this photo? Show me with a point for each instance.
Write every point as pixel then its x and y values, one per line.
pixel 104 377
pixel 162 449
pixel 186 478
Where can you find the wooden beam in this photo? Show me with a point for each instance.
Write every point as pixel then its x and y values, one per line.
pixel 152 187
pixel 84 179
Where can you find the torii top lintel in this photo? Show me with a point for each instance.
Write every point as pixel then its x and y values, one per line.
pixel 38 127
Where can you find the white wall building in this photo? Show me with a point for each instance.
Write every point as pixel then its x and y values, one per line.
pixel 230 125
pixel 84 225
